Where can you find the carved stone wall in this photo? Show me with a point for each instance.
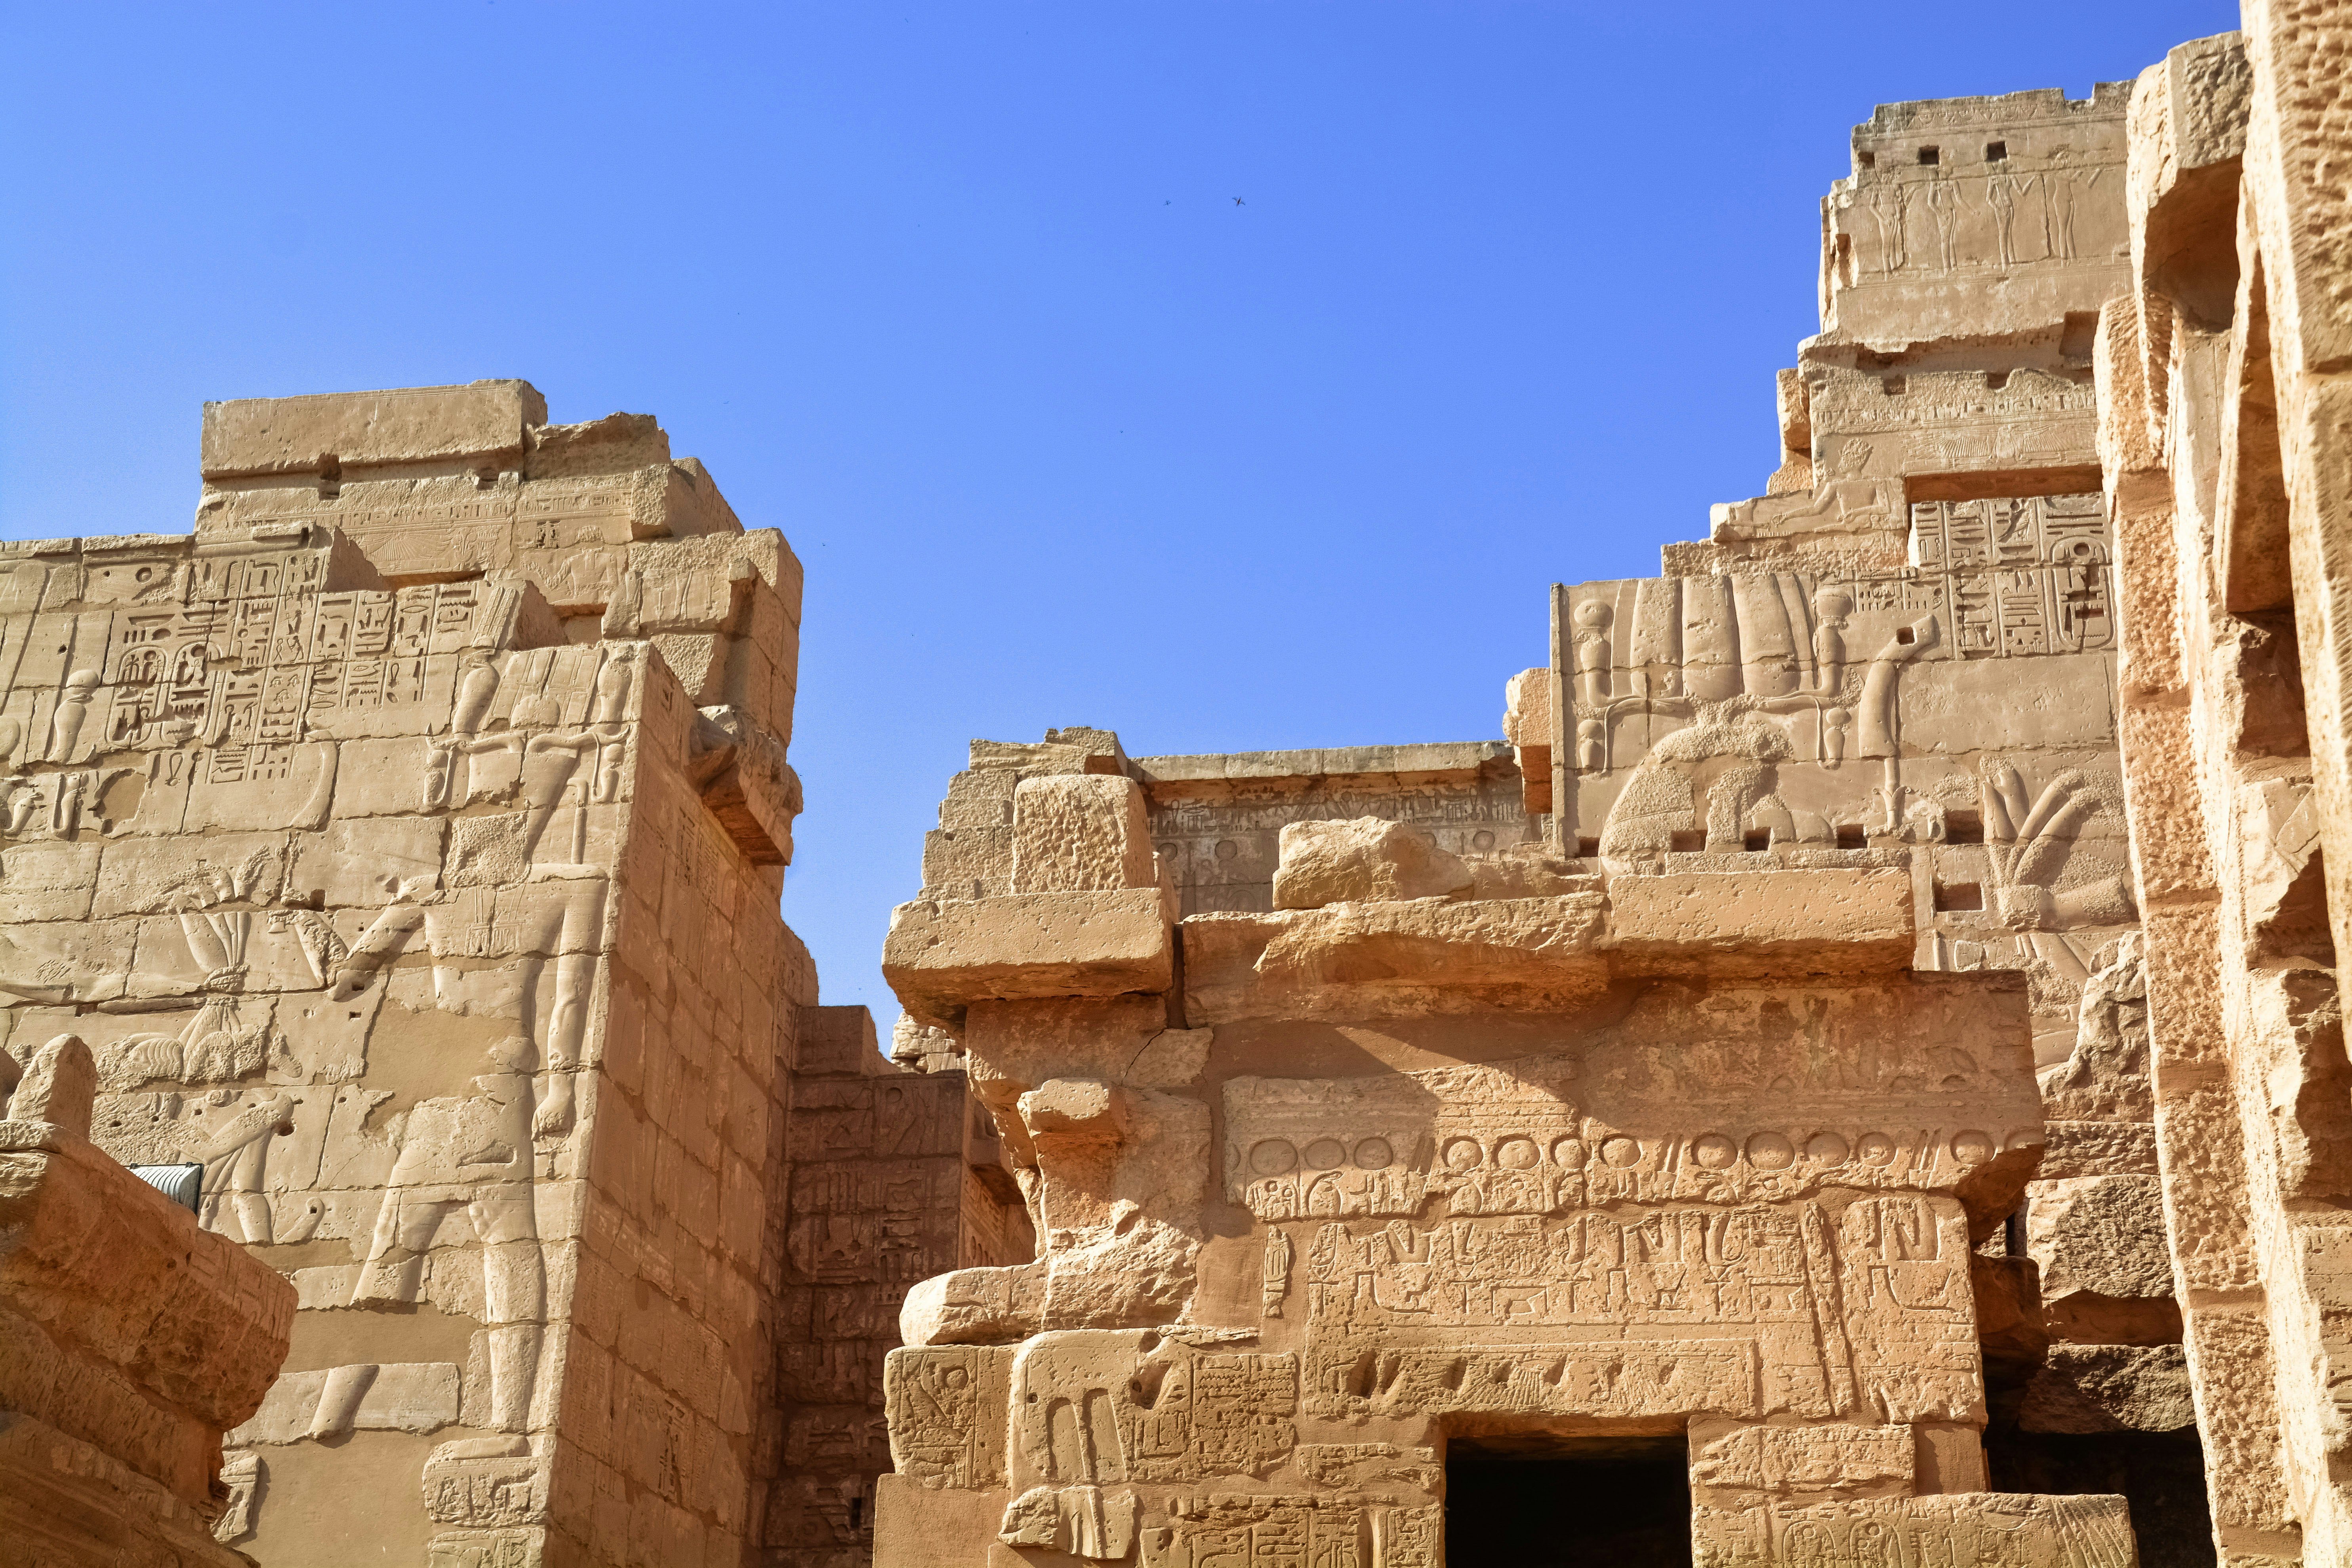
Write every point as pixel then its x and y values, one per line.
pixel 1758 1052
pixel 2221 377
pixel 129 1341
pixel 406 844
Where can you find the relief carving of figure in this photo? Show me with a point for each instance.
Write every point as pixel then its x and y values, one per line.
pixel 2004 191
pixel 1889 203
pixel 1944 207
pixel 472 1154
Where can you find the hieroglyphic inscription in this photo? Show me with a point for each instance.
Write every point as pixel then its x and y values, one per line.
pixel 1309 1529
pixel 1511 1140
pixel 1814 1309
pixel 1098 1406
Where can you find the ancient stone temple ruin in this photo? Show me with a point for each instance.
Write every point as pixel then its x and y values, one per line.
pixel 401 850
pixel 1853 1077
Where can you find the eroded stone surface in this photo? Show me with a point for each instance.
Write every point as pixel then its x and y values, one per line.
pixel 403 849
pixel 1708 1089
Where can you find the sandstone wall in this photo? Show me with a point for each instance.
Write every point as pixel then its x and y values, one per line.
pixel 407 846
pixel 2214 383
pixel 130 1340
pixel 1757 1053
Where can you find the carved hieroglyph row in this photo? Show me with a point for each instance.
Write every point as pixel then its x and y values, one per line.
pixel 1512 1139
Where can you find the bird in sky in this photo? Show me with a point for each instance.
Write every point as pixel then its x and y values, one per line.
pixel 1238 201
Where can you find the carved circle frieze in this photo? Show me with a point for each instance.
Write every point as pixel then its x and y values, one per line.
pixel 2027 1138
pixel 1463 1154
pixel 1518 1155
pixel 1620 1152
pixel 1570 1153
pixel 1970 1147
pixel 1715 1152
pixel 1828 1148
pixel 1324 1154
pixel 1374 1154
pixel 1876 1148
pixel 1274 1157
pixel 1770 1151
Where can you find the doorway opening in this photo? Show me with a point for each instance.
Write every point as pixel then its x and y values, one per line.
pixel 1567 1502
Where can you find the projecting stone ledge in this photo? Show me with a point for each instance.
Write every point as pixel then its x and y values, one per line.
pixel 943 954
pixel 1763 923
pixel 1446 954
pixel 1422 954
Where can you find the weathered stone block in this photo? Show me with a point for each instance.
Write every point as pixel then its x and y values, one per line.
pixel 1080 834
pixel 943 954
pixel 483 421
pixel 1362 860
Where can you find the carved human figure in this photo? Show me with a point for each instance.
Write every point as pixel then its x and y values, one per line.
pixel 2004 191
pixel 2058 194
pixel 65 810
pixel 25 800
pixel 2111 1025
pixel 73 708
pixel 476 687
pixel 1275 1279
pixel 1944 207
pixel 236 1162
pixel 1831 608
pixel 1888 205
pixel 1590 653
pixel 612 680
pixel 1834 723
pixel 472 1153
pixel 1851 493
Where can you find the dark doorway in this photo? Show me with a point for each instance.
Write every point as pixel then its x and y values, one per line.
pixel 1567 1502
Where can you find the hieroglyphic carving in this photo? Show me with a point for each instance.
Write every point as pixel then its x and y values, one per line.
pixel 1980 1527
pixel 1292 1529
pixel 1514 1141
pixel 1814 1310
pixel 947 1414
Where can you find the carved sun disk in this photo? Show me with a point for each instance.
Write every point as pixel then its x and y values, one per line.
pixel 1274 1157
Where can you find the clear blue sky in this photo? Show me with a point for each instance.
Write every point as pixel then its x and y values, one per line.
pixel 959 297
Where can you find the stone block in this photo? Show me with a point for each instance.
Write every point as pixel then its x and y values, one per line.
pixel 1774 920
pixel 1363 860
pixel 1733 1461
pixel 2099 1234
pixel 1080 833
pixel 2109 1388
pixel 838 1040
pixel 481 422
pixel 943 954
pixel 975 1306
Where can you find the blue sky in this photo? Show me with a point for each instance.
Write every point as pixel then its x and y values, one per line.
pixel 960 297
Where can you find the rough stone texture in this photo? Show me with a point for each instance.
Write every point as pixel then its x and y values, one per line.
pixel 1080 834
pixel 2109 1388
pixel 131 1340
pixel 2217 369
pixel 1364 860
pixel 405 847
pixel 1686 1062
